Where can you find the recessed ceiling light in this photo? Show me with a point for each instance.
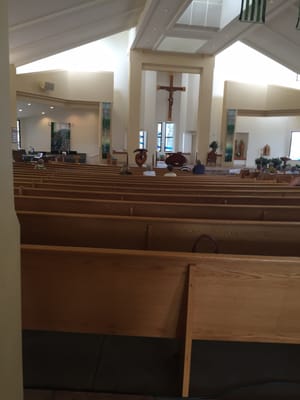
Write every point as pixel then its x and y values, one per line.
pixel 51 107
pixel 20 109
pixel 29 104
pixel 43 113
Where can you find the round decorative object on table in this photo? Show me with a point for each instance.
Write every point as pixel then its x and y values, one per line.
pixel 176 159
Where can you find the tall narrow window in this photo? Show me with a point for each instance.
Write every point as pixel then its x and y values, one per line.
pixel 165 137
pixel 170 137
pixel 159 137
pixel 143 139
pixel 16 135
pixel 295 146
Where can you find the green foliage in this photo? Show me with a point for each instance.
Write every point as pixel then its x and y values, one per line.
pixel 214 145
pixel 261 162
pixel 273 163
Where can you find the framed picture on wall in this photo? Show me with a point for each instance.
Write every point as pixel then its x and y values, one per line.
pixel 60 137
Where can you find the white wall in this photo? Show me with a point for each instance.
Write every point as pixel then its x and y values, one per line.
pixel 274 131
pixel 83 86
pixel 36 132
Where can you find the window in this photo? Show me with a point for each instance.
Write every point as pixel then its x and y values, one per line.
pixel 295 146
pixel 143 139
pixel 16 135
pixel 166 137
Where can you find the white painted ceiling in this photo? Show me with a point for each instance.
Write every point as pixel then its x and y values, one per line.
pixel 41 28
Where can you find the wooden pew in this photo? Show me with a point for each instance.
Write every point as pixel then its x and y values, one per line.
pixel 186 185
pixel 158 209
pixel 236 198
pixel 157 187
pixel 153 233
pixel 105 172
pixel 160 294
pixel 103 176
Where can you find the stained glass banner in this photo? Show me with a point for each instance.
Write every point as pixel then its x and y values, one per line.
pixel 253 11
pixel 230 128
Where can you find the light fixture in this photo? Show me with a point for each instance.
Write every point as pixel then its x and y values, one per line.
pixel 253 11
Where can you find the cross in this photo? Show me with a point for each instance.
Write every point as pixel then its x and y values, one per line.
pixel 171 89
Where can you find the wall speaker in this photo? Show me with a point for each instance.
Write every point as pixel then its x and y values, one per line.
pixel 47 85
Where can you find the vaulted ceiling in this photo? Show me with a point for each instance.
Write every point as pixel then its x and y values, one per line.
pixel 38 29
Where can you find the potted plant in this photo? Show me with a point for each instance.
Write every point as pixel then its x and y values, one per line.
pixel 214 145
pixel 276 163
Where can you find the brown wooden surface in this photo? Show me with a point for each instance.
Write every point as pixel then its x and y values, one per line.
pixel 158 209
pixel 109 292
pixel 249 300
pixel 178 197
pixel 189 320
pixel 243 298
pixel 169 234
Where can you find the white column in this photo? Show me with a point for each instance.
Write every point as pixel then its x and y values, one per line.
pixel 11 386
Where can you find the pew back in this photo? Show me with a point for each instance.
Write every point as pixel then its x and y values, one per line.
pixel 132 292
pixel 158 209
pixel 164 234
pixel 160 294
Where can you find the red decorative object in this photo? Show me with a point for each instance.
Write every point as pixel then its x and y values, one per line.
pixel 140 157
pixel 176 159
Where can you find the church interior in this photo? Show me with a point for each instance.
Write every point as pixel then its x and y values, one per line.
pixel 124 286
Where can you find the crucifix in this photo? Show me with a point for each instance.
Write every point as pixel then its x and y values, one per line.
pixel 171 89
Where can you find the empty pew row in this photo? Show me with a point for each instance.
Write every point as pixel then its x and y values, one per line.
pixel 158 209
pixel 158 187
pixel 159 294
pixel 278 238
pixel 154 184
pixel 254 198
pixel 188 180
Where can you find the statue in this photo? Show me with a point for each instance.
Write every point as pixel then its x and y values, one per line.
pixel 266 150
pixel 239 151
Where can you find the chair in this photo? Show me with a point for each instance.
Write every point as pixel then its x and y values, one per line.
pixel 211 158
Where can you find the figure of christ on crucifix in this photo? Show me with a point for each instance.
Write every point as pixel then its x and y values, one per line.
pixel 171 89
